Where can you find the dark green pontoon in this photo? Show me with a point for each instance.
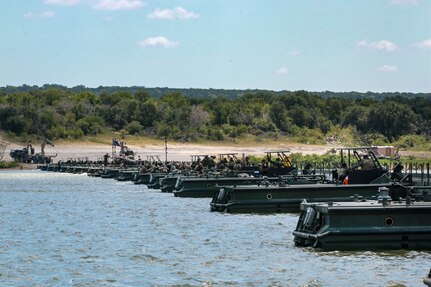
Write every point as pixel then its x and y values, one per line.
pixel 110 172
pixel 278 199
pixel 169 182
pixel 366 225
pixel 209 186
pixel 154 181
pixel 142 178
pixel 126 174
pixel 275 164
pixel 269 199
pixel 95 171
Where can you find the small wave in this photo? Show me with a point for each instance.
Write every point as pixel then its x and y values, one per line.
pixel 147 257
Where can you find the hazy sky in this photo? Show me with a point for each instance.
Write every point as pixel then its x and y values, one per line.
pixel 337 45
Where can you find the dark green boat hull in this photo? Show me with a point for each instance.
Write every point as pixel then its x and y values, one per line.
pixel 209 187
pixel 142 178
pixel 365 226
pixel 126 175
pixel 274 199
pixel 167 184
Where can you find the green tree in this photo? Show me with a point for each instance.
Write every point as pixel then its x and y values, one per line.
pixel 134 128
pixel 356 116
pixel 392 119
pixel 221 109
pixel 16 124
pixel 147 112
pixel 334 110
pixel 91 125
pixel 279 117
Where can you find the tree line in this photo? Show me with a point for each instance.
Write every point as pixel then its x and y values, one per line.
pixel 58 112
pixel 201 93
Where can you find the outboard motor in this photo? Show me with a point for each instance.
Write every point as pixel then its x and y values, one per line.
pixel 427 279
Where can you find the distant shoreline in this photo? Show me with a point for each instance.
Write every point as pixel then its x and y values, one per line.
pixel 95 148
pixel 175 151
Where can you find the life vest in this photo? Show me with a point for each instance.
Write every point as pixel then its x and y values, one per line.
pixel 346 180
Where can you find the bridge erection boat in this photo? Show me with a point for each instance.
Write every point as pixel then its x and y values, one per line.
pixel 280 199
pixel 354 181
pixel 275 164
pixel 367 225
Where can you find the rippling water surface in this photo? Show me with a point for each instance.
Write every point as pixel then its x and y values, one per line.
pixel 73 230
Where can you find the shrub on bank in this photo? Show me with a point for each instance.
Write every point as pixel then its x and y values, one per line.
pixel 8 164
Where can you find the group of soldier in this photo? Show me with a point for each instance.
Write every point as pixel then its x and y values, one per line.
pixel 200 165
pixel 364 164
pixel 208 164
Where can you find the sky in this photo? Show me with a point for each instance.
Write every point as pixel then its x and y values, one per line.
pixel 313 45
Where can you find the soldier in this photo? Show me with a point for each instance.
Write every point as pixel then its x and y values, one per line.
pixel 199 168
pixel 237 165
pixel 105 159
pixel 342 172
pixel 366 163
pixel 263 167
pixel 247 161
pixel 308 169
pixel 206 161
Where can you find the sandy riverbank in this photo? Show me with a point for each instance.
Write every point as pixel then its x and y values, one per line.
pixel 176 151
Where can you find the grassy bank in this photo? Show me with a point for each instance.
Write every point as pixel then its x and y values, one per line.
pixel 9 164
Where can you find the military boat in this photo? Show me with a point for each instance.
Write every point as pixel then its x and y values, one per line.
pixel 95 171
pixel 142 178
pixel 366 225
pixel 210 186
pixel 126 174
pixel 278 199
pixel 359 165
pixel 274 165
pixel 110 172
pixel 154 181
pixel 286 197
pixel 169 182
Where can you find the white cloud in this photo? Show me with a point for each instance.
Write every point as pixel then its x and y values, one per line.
pixel 119 5
pixel 294 53
pixel 383 45
pixel 158 41
pixel 44 14
pixel 176 13
pixel 403 2
pixel 63 2
pixel 282 71
pixel 387 69
pixel 425 44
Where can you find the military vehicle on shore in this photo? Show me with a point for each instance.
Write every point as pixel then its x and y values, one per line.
pixel 27 154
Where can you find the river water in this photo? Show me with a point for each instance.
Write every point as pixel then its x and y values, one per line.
pixel 73 230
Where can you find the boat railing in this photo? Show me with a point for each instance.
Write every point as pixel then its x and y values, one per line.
pixel 284 180
pixel 421 172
